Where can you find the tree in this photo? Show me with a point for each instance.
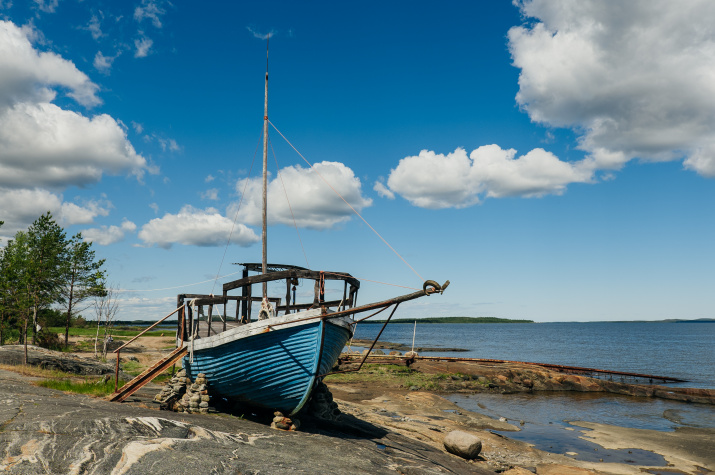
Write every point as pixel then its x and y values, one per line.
pixel 17 280
pixel 106 307
pixel 82 278
pixel 48 249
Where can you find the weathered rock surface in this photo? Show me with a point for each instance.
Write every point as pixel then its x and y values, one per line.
pixel 49 359
pixel 463 444
pixel 47 431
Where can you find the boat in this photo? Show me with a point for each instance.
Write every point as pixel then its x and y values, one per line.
pixel 273 354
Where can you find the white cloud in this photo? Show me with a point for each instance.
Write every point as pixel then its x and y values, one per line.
pixel 383 191
pixel 106 235
pixel 195 227
pixel 312 201
pixel 150 10
pixel 94 27
pixel 636 79
pixel 21 207
pixel 138 128
pixel 455 180
pixel 27 74
pixel 210 194
pixel 142 45
pixel 209 179
pixel 155 207
pixel 42 144
pixel 103 63
pixel 168 144
pixel 47 6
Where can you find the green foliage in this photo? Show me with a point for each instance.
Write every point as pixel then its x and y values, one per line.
pixel 94 387
pixel 132 367
pixel 48 339
pixel 40 269
pixel 79 322
pixel 82 278
pixel 50 317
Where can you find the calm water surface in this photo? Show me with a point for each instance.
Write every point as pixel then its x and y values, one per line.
pixel 681 350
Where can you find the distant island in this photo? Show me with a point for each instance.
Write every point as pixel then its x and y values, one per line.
pixel 452 320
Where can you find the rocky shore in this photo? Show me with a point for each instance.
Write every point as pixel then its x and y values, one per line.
pixel 505 378
pixel 373 423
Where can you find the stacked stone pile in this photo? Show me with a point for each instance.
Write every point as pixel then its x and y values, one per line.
pixel 181 395
pixel 284 423
pixel 322 405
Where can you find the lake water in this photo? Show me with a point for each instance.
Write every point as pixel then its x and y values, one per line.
pixel 680 350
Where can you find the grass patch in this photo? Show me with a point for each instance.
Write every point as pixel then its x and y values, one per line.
pixel 36 371
pixel 390 376
pixel 132 367
pixel 93 387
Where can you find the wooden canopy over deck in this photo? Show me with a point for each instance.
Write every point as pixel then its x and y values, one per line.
pixel 276 272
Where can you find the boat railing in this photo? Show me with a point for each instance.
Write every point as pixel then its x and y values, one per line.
pixel 119 350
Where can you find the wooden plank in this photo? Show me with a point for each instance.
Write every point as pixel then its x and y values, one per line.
pixel 289 274
pixel 148 375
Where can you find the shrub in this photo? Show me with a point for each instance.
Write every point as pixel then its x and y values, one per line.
pixel 48 339
pixel 79 322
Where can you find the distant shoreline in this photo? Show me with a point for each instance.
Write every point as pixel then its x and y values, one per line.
pixel 118 323
pixel 452 320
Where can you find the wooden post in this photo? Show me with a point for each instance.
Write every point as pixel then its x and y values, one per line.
pixel 316 298
pixel 345 291
pixel 210 318
pixel 288 295
pixel 245 292
pixel 116 374
pixel 249 305
pixel 224 314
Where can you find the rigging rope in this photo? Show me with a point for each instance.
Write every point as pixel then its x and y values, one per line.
pixel 278 169
pixel 235 218
pixel 341 197
pixel 178 286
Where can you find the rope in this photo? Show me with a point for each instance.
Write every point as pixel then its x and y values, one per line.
pixel 295 225
pixel 176 286
pixel 235 218
pixel 341 197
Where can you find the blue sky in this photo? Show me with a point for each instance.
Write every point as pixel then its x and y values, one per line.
pixel 555 161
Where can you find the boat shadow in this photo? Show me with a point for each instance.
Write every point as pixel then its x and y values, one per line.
pixel 347 427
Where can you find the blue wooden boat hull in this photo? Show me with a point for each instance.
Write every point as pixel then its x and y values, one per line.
pixel 276 368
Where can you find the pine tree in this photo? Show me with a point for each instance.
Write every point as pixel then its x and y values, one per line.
pixel 16 280
pixel 82 278
pixel 48 252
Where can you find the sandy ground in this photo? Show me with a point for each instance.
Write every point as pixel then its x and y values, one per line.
pixel 428 417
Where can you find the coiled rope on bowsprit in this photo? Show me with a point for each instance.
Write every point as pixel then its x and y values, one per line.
pixel 346 202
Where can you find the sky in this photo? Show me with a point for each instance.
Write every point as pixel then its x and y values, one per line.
pixel 554 160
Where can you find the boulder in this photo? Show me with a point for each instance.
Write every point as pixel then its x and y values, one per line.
pixel 463 444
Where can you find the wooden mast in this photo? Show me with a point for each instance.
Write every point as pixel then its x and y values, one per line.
pixel 264 266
